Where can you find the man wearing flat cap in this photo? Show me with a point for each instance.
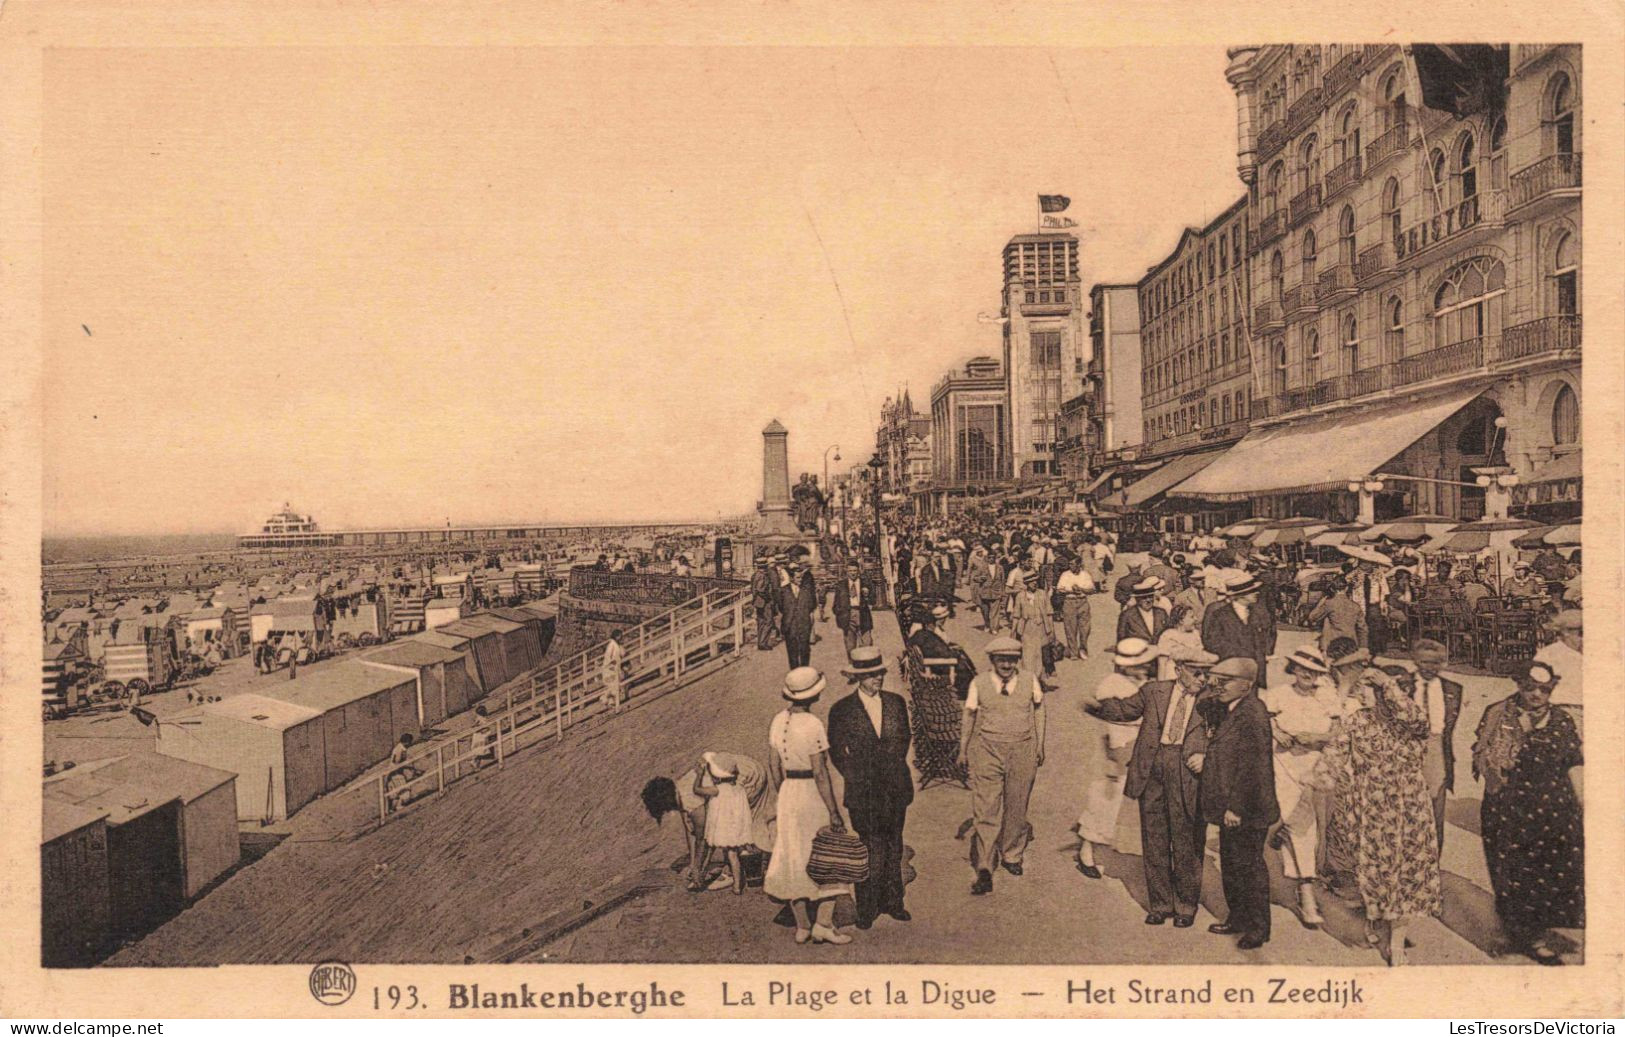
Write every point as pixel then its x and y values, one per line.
pixel 1001 743
pixel 1032 620
pixel 1238 626
pixel 1237 793
pixel 869 737
pixel 1162 780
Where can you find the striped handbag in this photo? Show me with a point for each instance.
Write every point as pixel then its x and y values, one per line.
pixel 838 857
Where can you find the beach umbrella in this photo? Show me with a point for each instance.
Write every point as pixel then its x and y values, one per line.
pixel 1244 528
pixel 1534 538
pixel 1342 533
pixel 1286 531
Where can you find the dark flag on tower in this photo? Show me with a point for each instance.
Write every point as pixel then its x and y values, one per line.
pixel 1461 78
pixel 1049 205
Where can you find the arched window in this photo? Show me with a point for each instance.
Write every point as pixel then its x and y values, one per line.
pixel 1467 304
pixel 1565 417
pixel 1467 168
pixel 1498 152
pixel 1565 276
pixel 1277 277
pixel 1345 236
pixel 1280 369
pixel 1390 208
pixel 1274 184
pixel 1311 356
pixel 1309 163
pixel 1309 256
pixel 1393 101
pixel 1394 334
pixel 1348 134
pixel 1351 345
pixel 1438 175
pixel 1560 113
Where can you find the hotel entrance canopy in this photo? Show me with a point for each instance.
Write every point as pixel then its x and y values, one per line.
pixel 1320 454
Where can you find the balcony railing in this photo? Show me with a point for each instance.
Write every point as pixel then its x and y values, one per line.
pixel 1552 173
pixel 1265 315
pixel 1343 175
pixel 1301 298
pixel 1344 74
pixel 1481 208
pixel 1456 358
pixel 1269 228
pixel 1271 139
pixel 1373 264
pixel 1337 283
pixel 1392 143
pixel 1303 111
pixel 1305 204
pixel 1547 335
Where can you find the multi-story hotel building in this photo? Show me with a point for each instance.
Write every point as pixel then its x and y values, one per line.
pixel 903 442
pixel 1045 349
pixel 1414 259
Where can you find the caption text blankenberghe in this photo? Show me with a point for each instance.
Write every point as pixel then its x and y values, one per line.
pixel 788 996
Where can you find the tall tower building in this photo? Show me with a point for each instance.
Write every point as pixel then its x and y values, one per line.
pixel 1046 347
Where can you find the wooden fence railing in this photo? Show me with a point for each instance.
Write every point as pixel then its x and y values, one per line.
pixel 658 654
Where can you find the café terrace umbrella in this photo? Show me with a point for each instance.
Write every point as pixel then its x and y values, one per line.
pixel 1483 535
pixel 1344 533
pixel 1244 528
pixel 1294 530
pixel 1410 529
pixel 1365 554
pixel 1534 539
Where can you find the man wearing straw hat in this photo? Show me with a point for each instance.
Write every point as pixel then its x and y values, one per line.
pixel 1163 781
pixel 868 743
pixel 1001 743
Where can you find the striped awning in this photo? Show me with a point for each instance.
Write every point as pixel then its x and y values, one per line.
pixel 1324 453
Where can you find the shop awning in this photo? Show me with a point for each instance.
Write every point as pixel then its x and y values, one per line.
pixel 1100 480
pixel 1169 475
pixel 1321 454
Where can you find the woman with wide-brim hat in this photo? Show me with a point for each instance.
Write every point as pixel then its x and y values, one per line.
pixel 799 765
pixel 1133 662
pixel 1304 713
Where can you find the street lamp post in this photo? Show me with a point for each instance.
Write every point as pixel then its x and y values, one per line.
pixel 875 464
pixel 828 488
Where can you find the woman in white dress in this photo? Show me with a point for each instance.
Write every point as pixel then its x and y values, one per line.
pixel 1103 795
pixel 1303 715
pixel 799 765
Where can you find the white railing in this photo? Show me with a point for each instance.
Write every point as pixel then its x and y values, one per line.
pixel 659 653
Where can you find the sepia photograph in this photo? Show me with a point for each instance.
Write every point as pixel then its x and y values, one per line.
pixel 1090 506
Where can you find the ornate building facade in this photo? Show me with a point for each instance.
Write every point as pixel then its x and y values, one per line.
pixel 1414 258
pixel 903 442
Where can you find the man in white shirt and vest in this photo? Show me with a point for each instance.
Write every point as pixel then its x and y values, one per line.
pixel 1074 588
pixel 1001 742
pixel 1442 700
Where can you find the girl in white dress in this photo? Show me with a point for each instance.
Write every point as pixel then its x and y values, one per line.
pixel 800 767
pixel 727 815
pixel 1303 716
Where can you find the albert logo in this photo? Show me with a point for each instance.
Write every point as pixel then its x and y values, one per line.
pixel 332 982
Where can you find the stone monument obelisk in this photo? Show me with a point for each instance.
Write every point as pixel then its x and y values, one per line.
pixel 775 505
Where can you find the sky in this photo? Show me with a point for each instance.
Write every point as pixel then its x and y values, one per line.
pixel 413 285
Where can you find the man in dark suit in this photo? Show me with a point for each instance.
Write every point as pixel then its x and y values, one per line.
pixel 937 579
pixel 1239 627
pixel 1442 700
pixel 761 599
pixel 1160 778
pixel 853 604
pixel 798 599
pixel 868 744
pixel 1141 618
pixel 1237 793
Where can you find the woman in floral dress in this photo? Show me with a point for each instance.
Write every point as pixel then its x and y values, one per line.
pixel 1383 821
pixel 1528 754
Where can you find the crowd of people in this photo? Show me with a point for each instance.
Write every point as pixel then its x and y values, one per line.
pixel 1340 759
